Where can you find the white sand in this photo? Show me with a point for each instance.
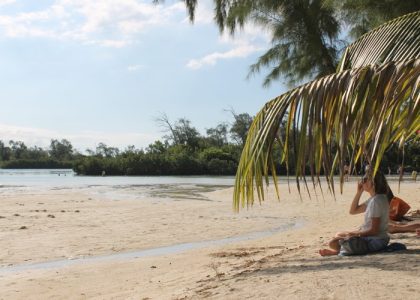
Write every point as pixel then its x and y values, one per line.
pixel 284 265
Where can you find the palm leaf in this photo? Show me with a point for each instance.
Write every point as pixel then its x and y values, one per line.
pixel 396 40
pixel 372 101
pixel 367 108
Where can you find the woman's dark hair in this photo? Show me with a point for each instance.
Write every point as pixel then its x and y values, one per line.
pixel 389 194
pixel 380 184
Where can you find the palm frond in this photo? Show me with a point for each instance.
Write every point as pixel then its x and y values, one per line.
pixel 367 108
pixel 396 40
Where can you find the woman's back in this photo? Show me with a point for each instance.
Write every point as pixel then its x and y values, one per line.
pixel 377 207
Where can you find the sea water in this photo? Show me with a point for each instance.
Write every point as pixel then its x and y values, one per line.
pixel 29 181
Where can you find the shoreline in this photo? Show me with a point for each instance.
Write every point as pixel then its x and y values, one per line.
pixel 284 264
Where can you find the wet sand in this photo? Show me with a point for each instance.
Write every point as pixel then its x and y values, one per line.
pixel 282 262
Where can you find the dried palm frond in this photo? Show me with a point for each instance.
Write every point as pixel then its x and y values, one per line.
pixel 396 40
pixel 367 108
pixel 372 101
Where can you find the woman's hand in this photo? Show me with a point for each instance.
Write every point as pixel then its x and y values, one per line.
pixel 360 187
pixel 355 207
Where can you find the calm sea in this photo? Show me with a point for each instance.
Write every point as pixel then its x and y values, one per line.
pixel 13 181
pixel 31 181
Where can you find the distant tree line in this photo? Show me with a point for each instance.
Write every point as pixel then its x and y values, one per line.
pixel 182 151
pixel 16 155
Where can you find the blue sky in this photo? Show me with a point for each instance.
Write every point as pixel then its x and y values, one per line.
pixel 101 70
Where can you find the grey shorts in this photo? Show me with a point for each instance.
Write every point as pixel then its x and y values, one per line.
pixel 376 244
pixel 362 245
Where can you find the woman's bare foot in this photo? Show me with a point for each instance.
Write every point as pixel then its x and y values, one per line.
pixel 327 252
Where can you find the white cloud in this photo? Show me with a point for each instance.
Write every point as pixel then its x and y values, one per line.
pixel 134 68
pixel 6 2
pixel 120 23
pixel 81 141
pixel 108 23
pixel 211 59
pixel 110 43
pixel 245 42
pixel 250 40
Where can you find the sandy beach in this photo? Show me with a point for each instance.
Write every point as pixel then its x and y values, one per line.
pixel 271 253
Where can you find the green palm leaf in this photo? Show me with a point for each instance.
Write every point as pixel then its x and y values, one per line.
pixel 367 108
pixel 354 114
pixel 396 40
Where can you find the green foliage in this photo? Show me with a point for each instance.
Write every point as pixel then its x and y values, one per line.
pixel 61 150
pixel 183 152
pixel 5 152
pixel 217 136
pixel 157 147
pixel 176 160
pixel 240 127
pixel 353 115
pixel 221 167
pixel 305 34
pixel 18 149
pixel 48 163
pixel 103 150
pixel 214 155
pixel 364 15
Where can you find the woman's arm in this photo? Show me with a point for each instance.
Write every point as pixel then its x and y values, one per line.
pixel 374 230
pixel 355 207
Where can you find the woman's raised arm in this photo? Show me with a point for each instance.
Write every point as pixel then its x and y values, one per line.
pixel 355 207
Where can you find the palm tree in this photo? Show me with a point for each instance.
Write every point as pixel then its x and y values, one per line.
pixel 354 114
pixel 305 34
pixel 364 15
pixel 372 100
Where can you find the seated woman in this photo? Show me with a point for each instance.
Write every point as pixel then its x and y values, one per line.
pixel 376 208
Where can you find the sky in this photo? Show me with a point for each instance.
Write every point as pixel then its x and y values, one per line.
pixel 96 71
